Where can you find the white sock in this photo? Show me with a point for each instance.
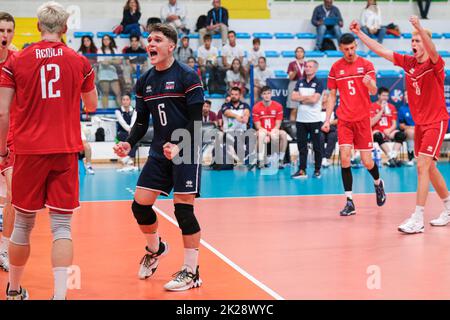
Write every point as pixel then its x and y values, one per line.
pixel 348 194
pixel 88 164
pixel 447 203
pixel 191 258
pixel 419 212
pixel 152 241
pixel 4 244
pixel 282 155
pixel 60 275
pixel 15 274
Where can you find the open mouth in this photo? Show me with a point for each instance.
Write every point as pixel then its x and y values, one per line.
pixel 414 50
pixel 153 53
pixel 4 43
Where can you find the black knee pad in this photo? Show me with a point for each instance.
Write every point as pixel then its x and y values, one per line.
pixel 400 137
pixel 186 219
pixel 378 138
pixel 144 215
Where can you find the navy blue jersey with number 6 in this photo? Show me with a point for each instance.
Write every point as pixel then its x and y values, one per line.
pixel 167 95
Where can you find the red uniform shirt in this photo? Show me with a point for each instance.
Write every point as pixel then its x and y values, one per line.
pixel 425 87
pixel 354 95
pixel 9 140
pixel 48 78
pixel 267 115
pixel 386 119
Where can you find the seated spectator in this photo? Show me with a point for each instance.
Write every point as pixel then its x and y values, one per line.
pixel 131 62
pixel 107 71
pixel 131 16
pixel 308 92
pixel 231 51
pixel 406 124
pixel 329 139
pixel 174 14
pixel 207 57
pixel 237 76
pixel 191 62
pixel 260 74
pixel 88 47
pixel 207 114
pixel 371 21
pixel 216 22
pixel 296 71
pixel 327 17
pixel 267 117
pixel 220 114
pixel 183 52
pixel 256 52
pixel 126 117
pixel 383 119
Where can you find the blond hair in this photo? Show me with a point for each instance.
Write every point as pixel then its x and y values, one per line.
pixel 52 17
pixel 427 31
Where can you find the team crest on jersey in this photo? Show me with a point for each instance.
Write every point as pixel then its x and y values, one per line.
pixel 274 112
pixel 360 70
pixel 341 72
pixel 170 85
pixel 148 89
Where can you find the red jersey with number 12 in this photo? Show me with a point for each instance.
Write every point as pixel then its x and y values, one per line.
pixel 267 115
pixel 347 78
pixel 48 78
pixel 9 140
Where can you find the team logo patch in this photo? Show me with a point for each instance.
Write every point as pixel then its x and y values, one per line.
pixel 397 96
pixel 411 70
pixel 148 89
pixel 262 112
pixel 274 112
pixel 170 85
pixel 430 149
pixel 341 72
pixel 189 184
pixel 360 70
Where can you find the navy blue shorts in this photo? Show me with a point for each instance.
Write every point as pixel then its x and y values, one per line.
pixel 161 174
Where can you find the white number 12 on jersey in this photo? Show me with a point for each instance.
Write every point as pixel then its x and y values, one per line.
pixel 47 88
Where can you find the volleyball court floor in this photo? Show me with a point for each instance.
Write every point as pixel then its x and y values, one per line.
pixel 264 237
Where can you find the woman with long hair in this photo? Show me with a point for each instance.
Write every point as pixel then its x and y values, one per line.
pixel 88 47
pixel 296 71
pixel 371 21
pixel 237 76
pixel 131 16
pixel 107 71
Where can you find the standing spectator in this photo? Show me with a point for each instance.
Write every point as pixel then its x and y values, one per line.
pixel 107 72
pixel 237 76
pixel 131 16
pixel 126 117
pixel 174 14
pixel 327 17
pixel 216 22
pixel 231 51
pixel 207 114
pixel 260 74
pixel 296 71
pixel 256 52
pixel 329 138
pixel 371 21
pixel 406 124
pixel 308 92
pixel 131 61
pixel 207 58
pixel 424 7
pixel 88 47
pixel 183 52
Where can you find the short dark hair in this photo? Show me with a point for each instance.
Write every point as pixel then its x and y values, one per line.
pixel 231 32
pixel 236 89
pixel 167 30
pixel 266 88
pixel 382 90
pixel 208 102
pixel 207 37
pixel 264 58
pixel 126 94
pixel 347 38
pixel 138 38
pixel 256 40
pixel 7 17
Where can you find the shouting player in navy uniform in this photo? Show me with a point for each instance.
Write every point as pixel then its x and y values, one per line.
pixel 172 94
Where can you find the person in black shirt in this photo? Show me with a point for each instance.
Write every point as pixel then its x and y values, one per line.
pixel 131 16
pixel 137 56
pixel 216 22
pixel 172 94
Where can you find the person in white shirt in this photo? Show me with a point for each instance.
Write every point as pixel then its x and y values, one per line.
pixel 237 76
pixel 207 56
pixel 174 14
pixel 371 21
pixel 260 75
pixel 231 50
pixel 256 52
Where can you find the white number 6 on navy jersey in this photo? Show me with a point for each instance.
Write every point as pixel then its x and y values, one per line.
pixel 162 114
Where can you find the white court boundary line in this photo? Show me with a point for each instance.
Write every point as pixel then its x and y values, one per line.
pixel 244 273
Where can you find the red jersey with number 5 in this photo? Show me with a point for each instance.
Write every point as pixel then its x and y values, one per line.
pixel 425 87
pixel 267 115
pixel 48 78
pixel 347 78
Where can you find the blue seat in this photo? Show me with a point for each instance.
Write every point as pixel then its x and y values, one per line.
pixel 271 54
pixel 102 34
pixel 191 36
pixel 284 35
pixel 361 53
pixel 81 34
pixel 215 36
pixel 444 53
pixel 334 54
pixel 447 72
pixel 446 35
pixel 314 54
pixel 243 35
pixel 215 96
pixel 305 35
pixel 322 74
pixel 288 54
pixel 124 36
pixel 280 74
pixel 407 35
pixel 373 54
pixel 403 52
pixel 391 36
pixel 388 73
pixel 436 35
pixel 262 35
pixel 145 34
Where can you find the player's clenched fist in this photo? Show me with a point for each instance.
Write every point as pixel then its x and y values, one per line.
pixel 366 80
pixel 415 22
pixel 326 126
pixel 122 149
pixel 170 150
pixel 355 27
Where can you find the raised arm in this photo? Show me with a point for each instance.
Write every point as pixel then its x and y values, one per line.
pixel 428 44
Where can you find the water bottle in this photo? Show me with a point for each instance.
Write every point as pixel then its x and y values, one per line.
pixel 387 110
pixel 377 156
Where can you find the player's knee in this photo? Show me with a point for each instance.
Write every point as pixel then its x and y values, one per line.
pixel 144 215
pixel 23 225
pixel 378 138
pixel 61 225
pixel 399 137
pixel 186 219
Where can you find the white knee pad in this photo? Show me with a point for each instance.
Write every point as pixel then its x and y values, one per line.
pixel 61 226
pixel 23 225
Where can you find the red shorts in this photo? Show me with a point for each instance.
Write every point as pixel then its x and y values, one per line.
pixel 46 181
pixel 357 134
pixel 7 163
pixel 428 138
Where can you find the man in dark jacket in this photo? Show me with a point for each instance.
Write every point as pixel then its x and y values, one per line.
pixel 216 22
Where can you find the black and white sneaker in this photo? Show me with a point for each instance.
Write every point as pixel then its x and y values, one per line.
pixel 150 261
pixel 184 280
pixel 349 208
pixel 300 174
pixel 22 294
pixel 317 174
pixel 381 195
